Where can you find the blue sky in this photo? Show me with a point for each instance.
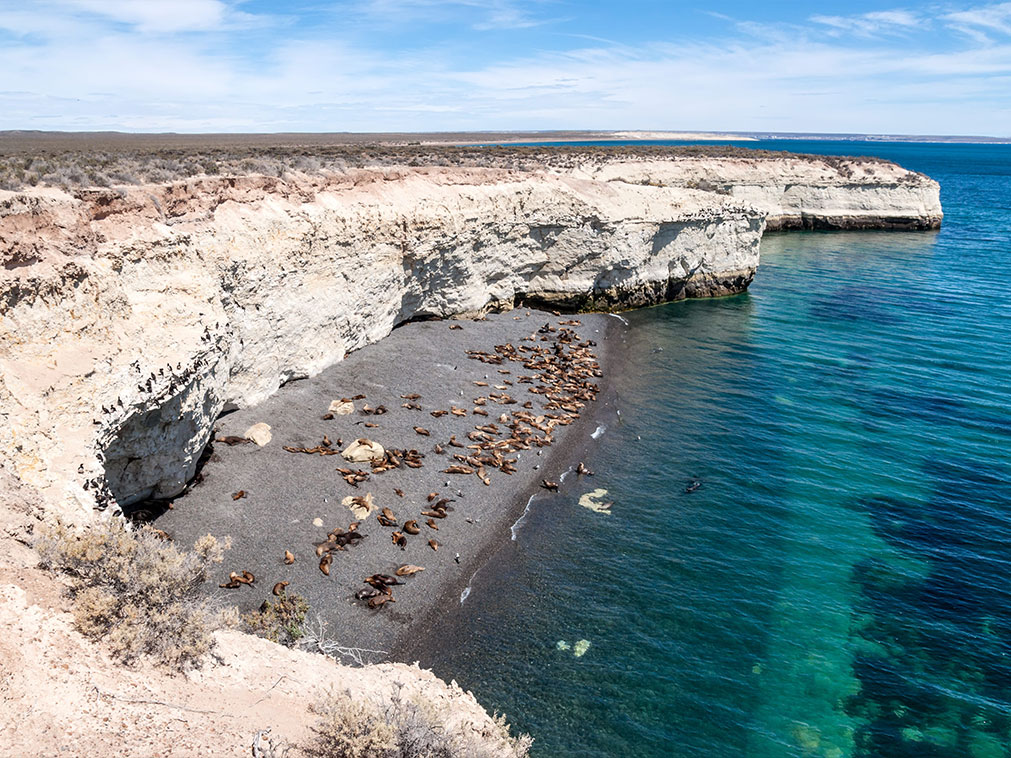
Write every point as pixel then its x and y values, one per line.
pixel 431 65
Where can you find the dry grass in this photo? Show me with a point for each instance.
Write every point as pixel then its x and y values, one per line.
pixel 137 591
pixel 400 728
pixel 75 161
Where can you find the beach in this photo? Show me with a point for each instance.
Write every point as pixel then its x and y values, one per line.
pixel 292 500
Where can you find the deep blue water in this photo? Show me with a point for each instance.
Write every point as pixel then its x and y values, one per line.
pixel 840 584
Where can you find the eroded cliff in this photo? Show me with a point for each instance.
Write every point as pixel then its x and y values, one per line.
pixel 132 317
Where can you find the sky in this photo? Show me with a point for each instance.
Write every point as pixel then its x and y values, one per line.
pixel 448 65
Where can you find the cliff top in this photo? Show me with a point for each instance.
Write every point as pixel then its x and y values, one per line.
pixel 108 159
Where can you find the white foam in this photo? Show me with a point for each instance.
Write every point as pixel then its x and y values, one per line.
pixel 598 432
pixel 465 594
pixel 620 318
pixel 515 528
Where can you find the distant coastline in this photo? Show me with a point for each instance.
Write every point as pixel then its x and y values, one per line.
pixel 21 141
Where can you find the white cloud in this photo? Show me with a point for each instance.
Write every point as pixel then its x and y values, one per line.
pixel 873 24
pixel 979 23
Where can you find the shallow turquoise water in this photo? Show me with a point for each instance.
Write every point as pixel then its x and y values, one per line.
pixel 839 585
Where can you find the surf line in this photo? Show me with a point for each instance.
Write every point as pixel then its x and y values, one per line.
pixel 515 528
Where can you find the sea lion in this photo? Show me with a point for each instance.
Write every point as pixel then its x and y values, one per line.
pixel 238 495
pixel 422 431
pixel 231 584
pixel 692 486
pixel 398 492
pixel 409 570
pixel 324 563
pixel 279 588
pixel 380 600
pixel 412 396
pixel 431 523
pixel 411 527
pixel 366 594
pixel 437 414
pixel 437 449
pixel 582 470
pixel 455 326
pixel 232 440
pixel 434 544
pixel 289 558
pixel 552 486
pixel 399 540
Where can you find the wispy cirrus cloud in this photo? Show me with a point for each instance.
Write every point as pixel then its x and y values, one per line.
pixel 199 65
pixel 874 24
pixel 982 23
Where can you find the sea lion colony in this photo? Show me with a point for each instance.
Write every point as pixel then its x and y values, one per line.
pixel 560 379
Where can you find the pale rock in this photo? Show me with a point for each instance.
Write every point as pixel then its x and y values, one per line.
pixel 360 507
pixel 259 433
pixel 342 408
pixel 363 450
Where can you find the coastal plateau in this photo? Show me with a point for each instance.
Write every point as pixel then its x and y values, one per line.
pixel 132 317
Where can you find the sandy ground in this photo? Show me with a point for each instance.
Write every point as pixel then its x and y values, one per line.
pixel 292 500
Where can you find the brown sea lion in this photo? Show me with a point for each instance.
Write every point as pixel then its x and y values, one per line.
pixel 409 570
pixel 552 486
pixel 324 563
pixel 238 495
pixel 279 588
pixel 289 557
pixel 434 544
pixel 411 527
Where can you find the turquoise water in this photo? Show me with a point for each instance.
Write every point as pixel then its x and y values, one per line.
pixel 840 584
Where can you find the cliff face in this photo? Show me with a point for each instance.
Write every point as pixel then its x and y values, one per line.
pixel 130 319
pixel 801 192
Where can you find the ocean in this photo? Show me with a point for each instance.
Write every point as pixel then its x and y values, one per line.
pixel 839 583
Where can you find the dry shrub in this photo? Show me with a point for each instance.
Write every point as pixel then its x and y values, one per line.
pixel 399 728
pixel 281 620
pixel 137 591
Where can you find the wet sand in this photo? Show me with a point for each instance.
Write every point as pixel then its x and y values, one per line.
pixel 287 492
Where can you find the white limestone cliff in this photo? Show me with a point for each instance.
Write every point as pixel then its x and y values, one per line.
pixel 131 318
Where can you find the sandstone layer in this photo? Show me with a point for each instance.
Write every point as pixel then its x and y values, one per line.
pixel 131 318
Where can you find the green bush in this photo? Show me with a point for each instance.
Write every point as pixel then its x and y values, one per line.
pixel 281 620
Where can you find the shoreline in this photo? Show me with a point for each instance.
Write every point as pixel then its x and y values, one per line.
pixel 287 492
pixel 562 458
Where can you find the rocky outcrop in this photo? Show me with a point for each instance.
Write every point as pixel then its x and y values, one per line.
pixel 132 318
pixel 800 192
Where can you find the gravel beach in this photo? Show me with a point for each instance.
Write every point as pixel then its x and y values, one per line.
pixel 293 500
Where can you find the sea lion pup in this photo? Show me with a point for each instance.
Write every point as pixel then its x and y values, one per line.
pixel 438 449
pixel 231 440
pixel 434 544
pixel 411 396
pixel 366 594
pixel 437 414
pixel 324 563
pixel 431 496
pixel 582 470
pixel 231 584
pixel 238 495
pixel 358 397
pixel 279 588
pixel 409 570
pixel 386 518
pixel 382 582
pixel 552 486
pixel 399 540
pixel 289 557
pixel 411 527
pixel 431 523
pixel 422 431
pixel 325 547
pixel 380 600
pixel 398 492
